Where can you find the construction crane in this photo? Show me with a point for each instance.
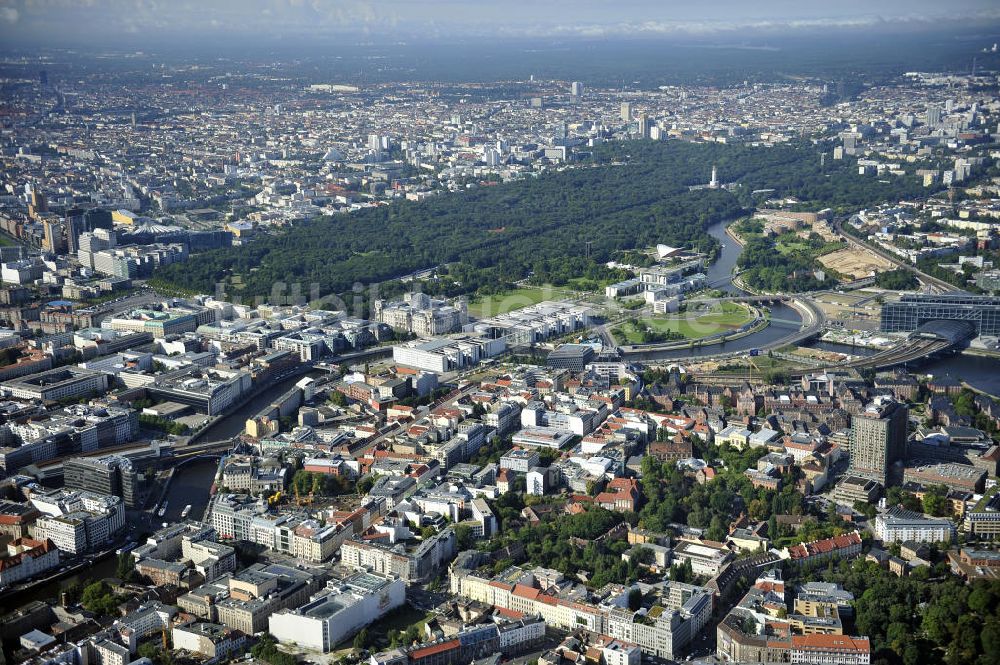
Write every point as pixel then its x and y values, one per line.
pixel 299 500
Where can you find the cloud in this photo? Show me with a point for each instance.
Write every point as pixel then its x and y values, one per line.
pixel 712 28
pixel 56 20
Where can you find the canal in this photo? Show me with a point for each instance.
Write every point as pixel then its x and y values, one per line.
pixel 49 591
pixel 232 424
pixel 843 348
pixel 979 372
pixel 190 486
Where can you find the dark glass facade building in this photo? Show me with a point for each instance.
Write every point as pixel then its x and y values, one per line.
pixel 913 311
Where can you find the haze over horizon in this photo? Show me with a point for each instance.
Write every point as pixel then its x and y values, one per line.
pixel 50 23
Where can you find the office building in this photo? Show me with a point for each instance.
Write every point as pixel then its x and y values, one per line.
pixel 830 650
pixel 574 357
pixel 519 460
pixel 681 613
pixel 644 126
pixel 983 519
pixel 421 315
pixel 78 521
pixel 414 565
pixel 57 384
pixel 933 115
pixel 53 240
pixel 447 354
pixel 25 558
pixel 844 546
pixel 111 476
pixel 878 438
pixel 212 641
pixel 705 559
pixel 339 611
pixel 261 590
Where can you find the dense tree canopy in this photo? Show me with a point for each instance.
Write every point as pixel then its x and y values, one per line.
pixel 897 280
pixel 636 194
pixel 929 617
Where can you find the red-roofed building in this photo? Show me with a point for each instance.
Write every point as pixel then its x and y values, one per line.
pixel 680 447
pixel 504 480
pixel 26 558
pixel 846 545
pixel 830 650
pixel 436 654
pixel 621 494
pixel 510 614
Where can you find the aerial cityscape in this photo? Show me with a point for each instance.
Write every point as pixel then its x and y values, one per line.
pixel 454 332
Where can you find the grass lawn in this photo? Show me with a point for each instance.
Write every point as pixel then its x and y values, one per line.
pixel 6 240
pixel 516 299
pixel 627 333
pixel 728 314
pixel 722 317
pixel 786 247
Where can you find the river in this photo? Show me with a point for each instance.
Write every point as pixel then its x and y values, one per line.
pixel 843 348
pixel 784 319
pixel 191 484
pixel 979 372
pixel 723 267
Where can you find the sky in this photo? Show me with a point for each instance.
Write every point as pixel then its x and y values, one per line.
pixel 54 22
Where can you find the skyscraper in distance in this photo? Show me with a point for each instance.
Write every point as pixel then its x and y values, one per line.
pixel 933 115
pixel 626 112
pixel 644 125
